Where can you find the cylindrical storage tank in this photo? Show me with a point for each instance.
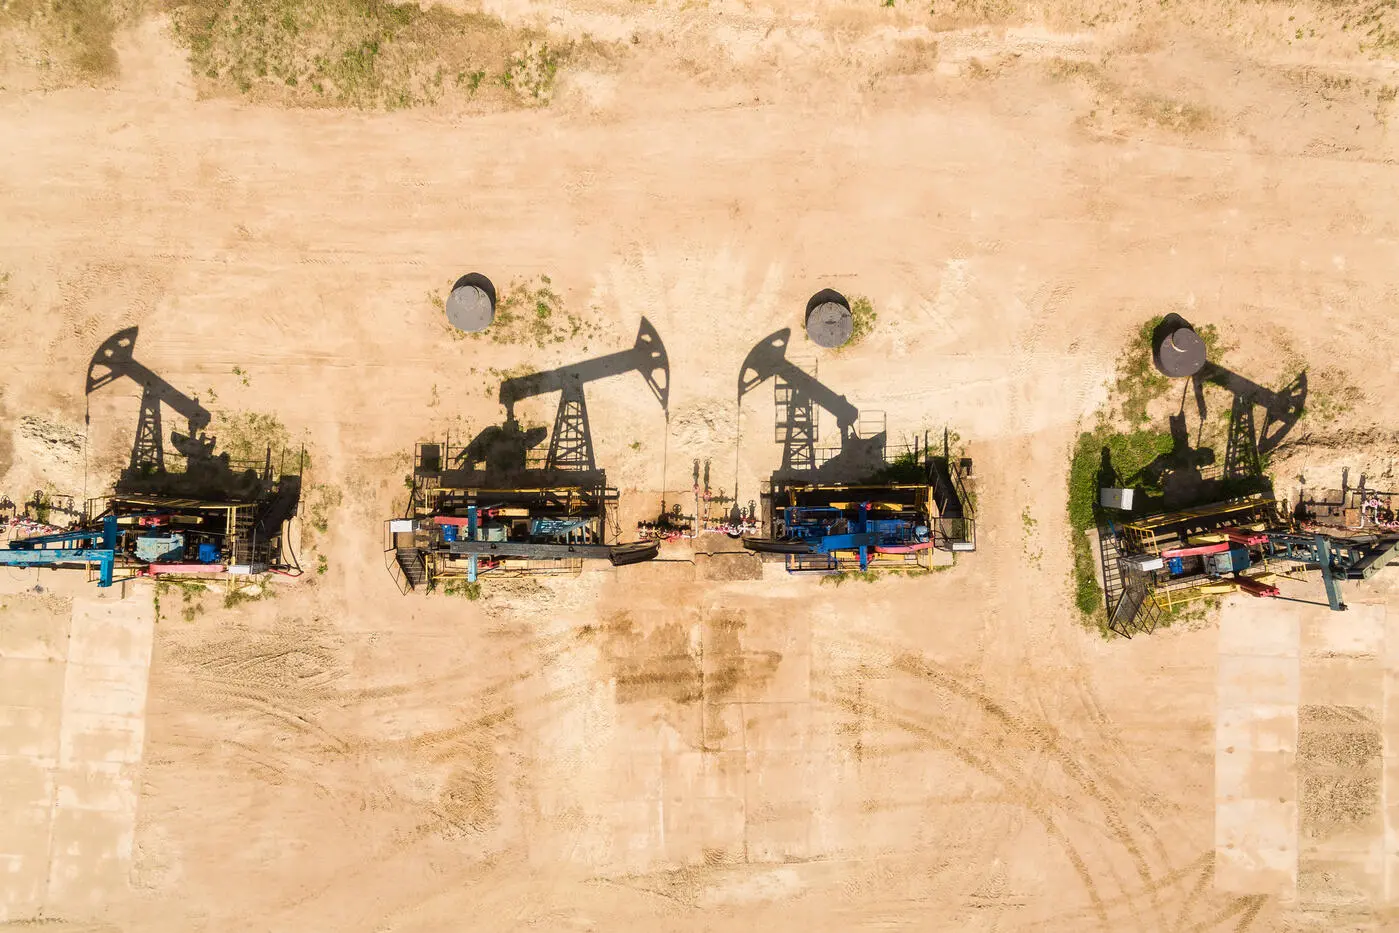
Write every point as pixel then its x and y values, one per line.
pixel 471 305
pixel 828 320
pixel 1176 349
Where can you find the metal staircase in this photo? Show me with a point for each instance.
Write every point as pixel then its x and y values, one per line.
pixel 410 561
pixel 243 538
pixel 1126 592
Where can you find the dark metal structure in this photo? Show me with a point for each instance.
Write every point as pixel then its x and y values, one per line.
pixel 210 519
pixel 491 508
pixel 1155 564
pixel 883 523
pixel 853 509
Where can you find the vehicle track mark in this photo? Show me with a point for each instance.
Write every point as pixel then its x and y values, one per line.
pixel 862 707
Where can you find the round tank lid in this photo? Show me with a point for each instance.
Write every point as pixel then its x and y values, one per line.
pixel 829 324
pixel 469 308
pixel 1182 353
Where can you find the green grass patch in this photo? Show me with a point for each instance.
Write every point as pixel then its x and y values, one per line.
pixel 907 467
pixel 862 320
pixel 369 54
pixel 463 589
pixel 1129 453
pixel 1139 383
pixel 248 594
pixel 77 32
pixel 842 577
pixel 531 312
pixel 320 500
pixel 246 435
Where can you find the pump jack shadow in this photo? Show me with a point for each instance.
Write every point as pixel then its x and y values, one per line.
pixel 206 475
pixel 500 454
pixel 1186 475
pixel 1282 409
pixel 797 395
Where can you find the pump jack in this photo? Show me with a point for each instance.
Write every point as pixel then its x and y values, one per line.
pixel 849 512
pixel 205 522
pixel 484 510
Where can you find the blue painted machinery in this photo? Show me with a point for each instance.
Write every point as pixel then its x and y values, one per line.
pixel 828 531
pixel 1337 558
pixel 70 548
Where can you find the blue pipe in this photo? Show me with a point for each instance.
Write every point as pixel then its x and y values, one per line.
pixel 104 558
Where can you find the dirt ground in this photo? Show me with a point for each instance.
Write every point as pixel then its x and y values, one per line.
pixel 650 748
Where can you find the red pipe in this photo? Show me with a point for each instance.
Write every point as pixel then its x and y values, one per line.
pixel 1247 538
pixel 156 569
pixel 1257 587
pixel 1197 550
pixel 902 548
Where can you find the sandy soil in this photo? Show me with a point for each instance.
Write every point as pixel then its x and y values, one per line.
pixel 647 749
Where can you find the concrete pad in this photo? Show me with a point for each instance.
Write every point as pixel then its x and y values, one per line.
pixel 107 632
pixel 25 827
pixel 29 732
pixel 1359 631
pixel 107 690
pixel 1241 776
pixel 1341 819
pixel 1389 710
pixel 1389 764
pixel 1389 847
pixel 36 684
pixel 25 783
pixel 34 636
pixel 723 727
pixel 1261 728
pixel 1256 847
pixel 724 775
pixel 1257 681
pixel 1244 631
pixel 71 734
pixel 98 788
pixel 24 861
pixel 634 836
pixel 1340 815
pixel 782 838
pixel 640 773
pixel 1342 681
pixel 90 737
pixel 704 830
pixel 1330 884
pixel 777 781
pixel 1256 806
pixel 91 857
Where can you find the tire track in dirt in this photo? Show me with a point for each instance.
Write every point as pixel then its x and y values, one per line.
pixel 886 713
pixel 461 781
pixel 1022 729
pixel 1201 869
pixel 1038 734
pixel 1018 785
